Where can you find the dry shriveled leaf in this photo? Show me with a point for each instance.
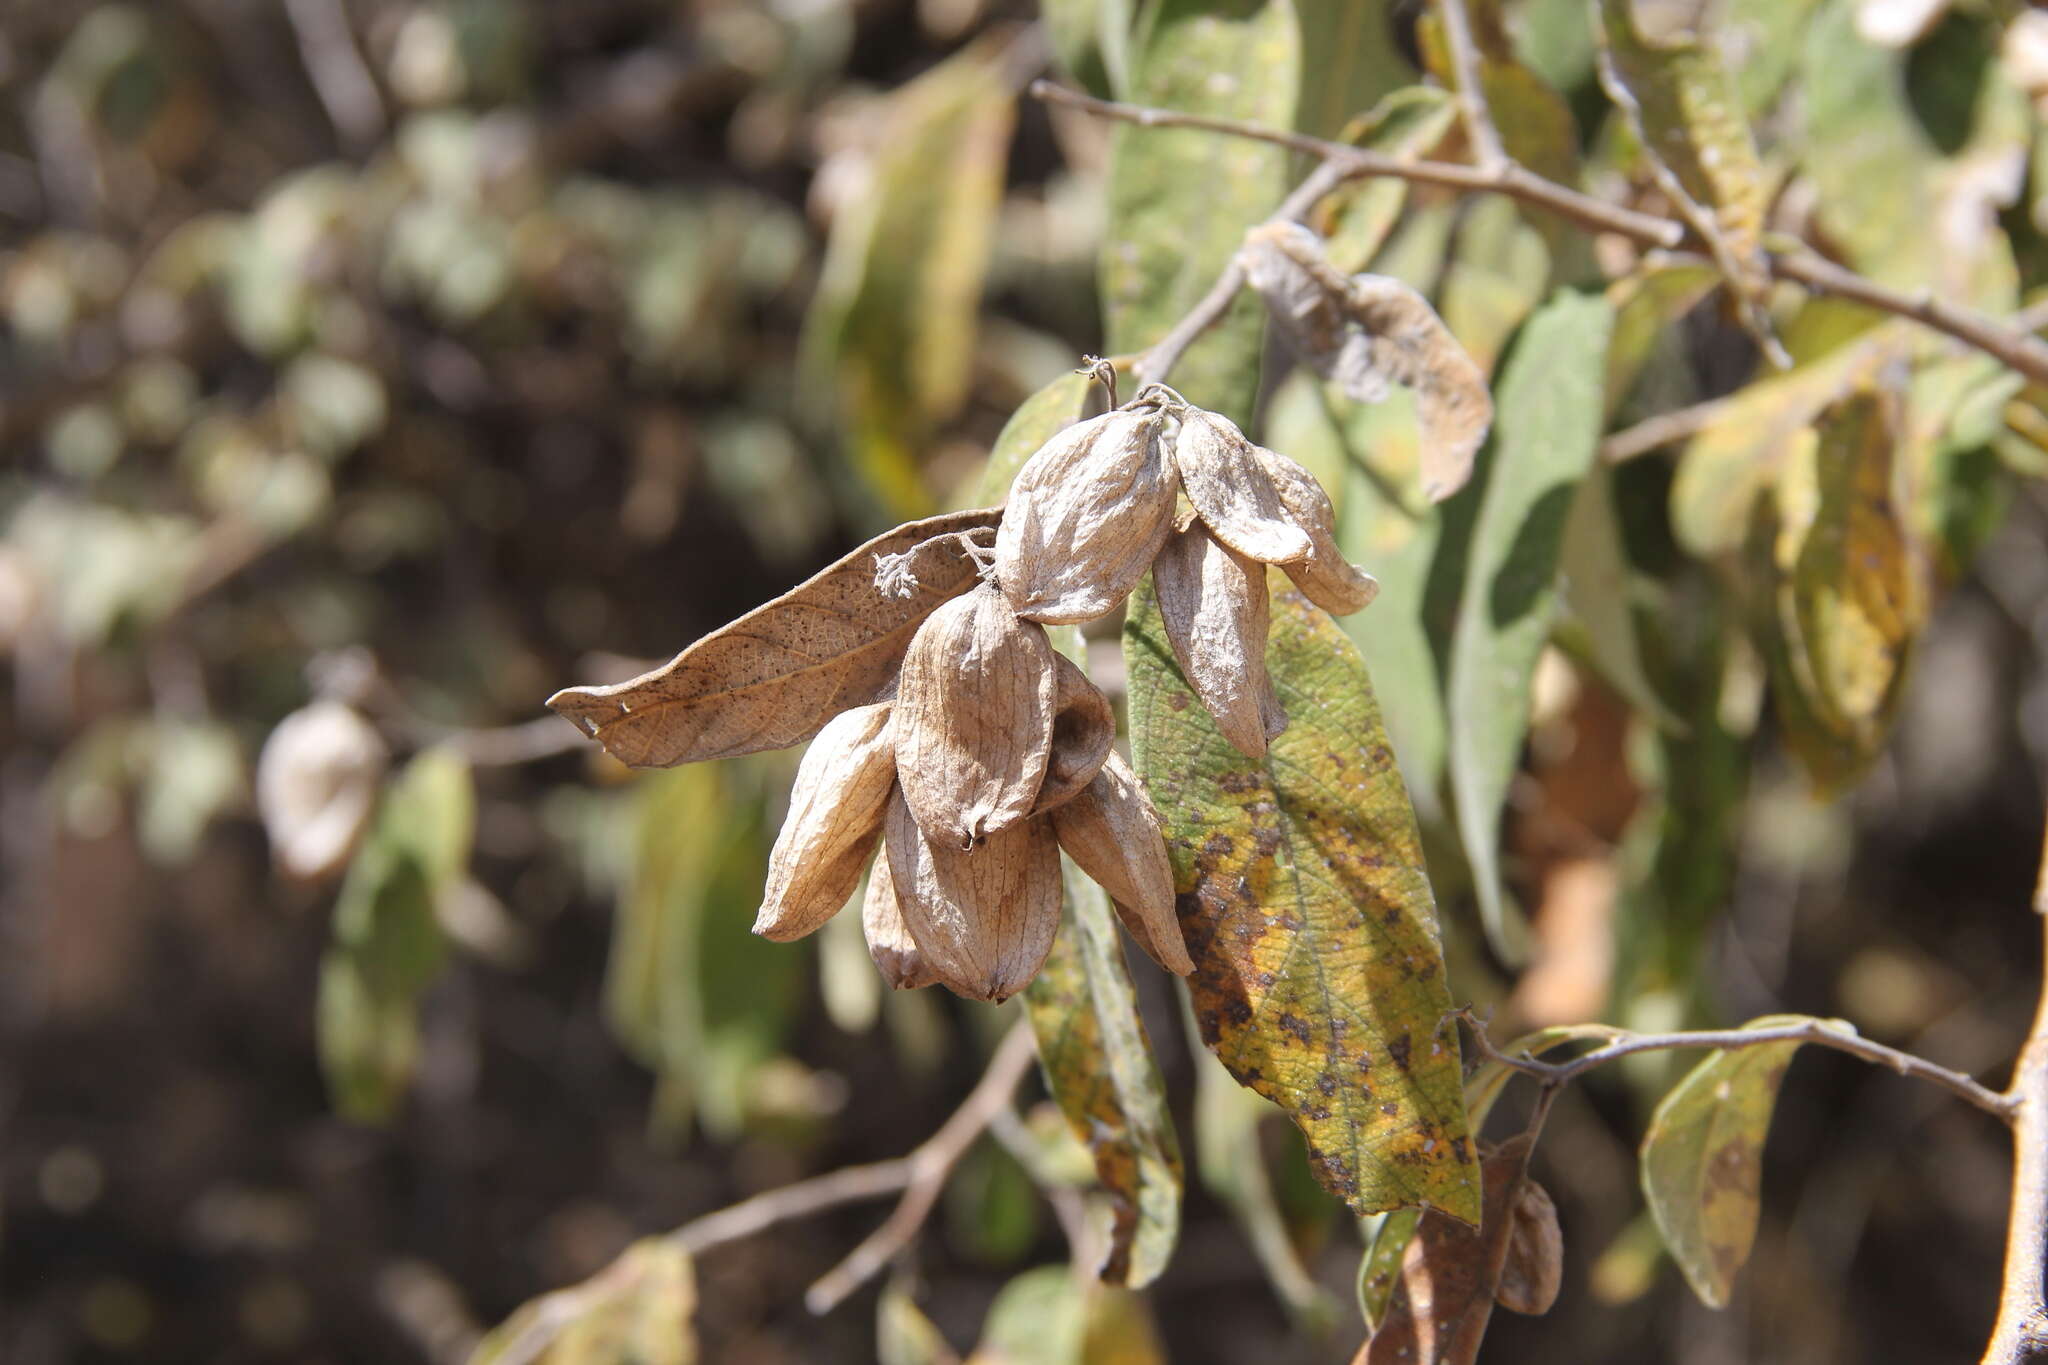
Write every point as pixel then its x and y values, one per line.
pixel 775 676
pixel 316 784
pixel 1363 332
pixel 835 816
pixel 1085 517
pixel 638 1308
pixel 1226 480
pixel 974 719
pixel 1083 729
pixel 985 917
pixel 1114 835
pixel 1534 1269
pixel 895 952
pixel 1213 604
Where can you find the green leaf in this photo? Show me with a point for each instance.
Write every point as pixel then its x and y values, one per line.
pixel 1379 1270
pixel 1047 1317
pixel 1091 41
pixel 1037 420
pixel 1597 587
pixel 1180 200
pixel 904 1335
pixel 1319 978
pixel 388 945
pixel 1646 305
pixel 891 330
pixel 1410 122
pixel 1498 270
pixel 638 1309
pixel 1545 433
pixel 1099 1069
pixel 1702 1159
pixel 1349 62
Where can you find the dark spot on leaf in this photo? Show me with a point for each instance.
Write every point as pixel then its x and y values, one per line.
pixel 1390 1109
pixel 1326 1083
pixel 1399 1049
pixel 1294 1024
pixel 1177 701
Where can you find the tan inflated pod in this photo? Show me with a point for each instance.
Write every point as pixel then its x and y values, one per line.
pixel 835 815
pixel 1214 606
pixel 1113 834
pixel 984 918
pixel 895 952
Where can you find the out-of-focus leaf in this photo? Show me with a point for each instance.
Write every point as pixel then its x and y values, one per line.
pixel 1646 304
pixel 773 677
pixel 1544 441
pixel 1498 270
pixel 1702 1159
pixel 1180 200
pixel 104 567
pixel 1379 1270
pixel 1099 1068
pixel 195 773
pixel 1036 421
pixel 388 945
pixel 335 404
pixel 1688 117
pixel 1597 587
pixel 848 984
pixel 1091 41
pixel 1348 62
pixel 1047 1317
pixel 891 329
pixel 904 1335
pixel 1318 972
pixel 1408 123
pixel 638 1309
pixel 1760 42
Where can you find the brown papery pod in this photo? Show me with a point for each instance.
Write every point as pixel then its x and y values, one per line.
pixel 1213 604
pixel 1112 832
pixel 1228 484
pixel 773 677
pixel 1534 1269
pixel 974 714
pixel 895 952
pixel 1325 577
pixel 1363 331
pixel 983 918
pixel 1082 730
pixel 1085 516
pixel 835 815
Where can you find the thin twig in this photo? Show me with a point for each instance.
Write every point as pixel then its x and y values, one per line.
pixel 2023 353
pixel 2022 1330
pixel 340 78
pixel 1807 1031
pixel 930 1164
pixel 1486 143
pixel 1666 428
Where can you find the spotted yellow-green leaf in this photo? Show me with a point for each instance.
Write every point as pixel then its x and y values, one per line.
pixel 1180 200
pixel 1099 1069
pixel 1319 978
pixel 388 945
pixel 1379 1270
pixel 640 1308
pixel 1544 439
pixel 1037 420
pixel 1702 1159
pixel 1408 123
pixel 904 1335
pixel 890 334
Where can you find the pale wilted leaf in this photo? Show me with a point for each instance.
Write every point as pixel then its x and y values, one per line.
pixel 1099 1069
pixel 775 676
pixel 1702 1159
pixel 1545 441
pixel 1367 331
pixel 1112 833
pixel 639 1308
pixel 984 918
pixel 1213 606
pixel 1318 975
pixel 1085 516
pixel 835 816
pixel 316 784
pixel 974 718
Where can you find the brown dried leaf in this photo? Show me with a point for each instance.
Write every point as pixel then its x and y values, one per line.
pixel 1363 331
pixel 1083 728
pixel 835 815
pixel 895 952
pixel 974 718
pixel 1228 484
pixel 1325 578
pixel 773 677
pixel 1450 1273
pixel 1085 517
pixel 1534 1268
pixel 1216 614
pixel 1113 834
pixel 984 918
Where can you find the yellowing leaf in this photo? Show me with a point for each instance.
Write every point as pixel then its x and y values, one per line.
pixel 1046 1317
pixel 1099 1069
pixel 891 330
pixel 1702 1160
pixel 1318 974
pixel 638 1309
pixel 904 1335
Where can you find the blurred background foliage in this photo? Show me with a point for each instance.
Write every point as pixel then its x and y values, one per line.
pixel 411 359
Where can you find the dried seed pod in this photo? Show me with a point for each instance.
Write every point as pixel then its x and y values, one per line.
pixel 316 784
pixel 1534 1268
pixel 1083 728
pixel 1085 517
pixel 983 918
pixel 974 715
pixel 1324 577
pixel 1213 603
pixel 1113 834
pixel 1228 484
pixel 895 952
pixel 835 815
